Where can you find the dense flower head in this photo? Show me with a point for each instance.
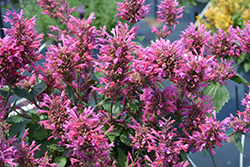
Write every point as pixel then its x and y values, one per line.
pixel 56 107
pixel 132 10
pixel 240 123
pixel 49 7
pixel 56 9
pixel 25 153
pixel 7 154
pixel 71 61
pixel 210 134
pixel 131 162
pixel 194 113
pixel 18 49
pixel 45 161
pixel 194 71
pixel 168 13
pixel 168 149
pixel 244 38
pixel 159 61
pixel 115 55
pixel 143 137
pixel 224 43
pixel 63 61
pixel 85 138
pixel 46 74
pixel 196 39
pixel 157 103
pixel 222 70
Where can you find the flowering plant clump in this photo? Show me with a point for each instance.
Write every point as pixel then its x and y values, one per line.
pixel 99 98
pixel 220 18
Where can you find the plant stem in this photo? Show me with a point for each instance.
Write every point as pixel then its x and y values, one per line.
pixel 239 63
pixel 111 112
pixel 7 96
pixel 212 158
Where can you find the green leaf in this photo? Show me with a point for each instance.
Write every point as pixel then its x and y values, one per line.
pixel 121 157
pixel 183 155
pixel 117 107
pixel 219 94
pixel 133 106
pixel 125 138
pixel 239 79
pixel 56 147
pixel 246 66
pixel 4 93
pixel 60 161
pixel 23 93
pixel 18 127
pixel 97 75
pixel 237 142
pixel 15 119
pixel 70 93
pixel 106 104
pixel 35 117
pixel 41 134
pixel 112 135
pixel 38 89
pixel 102 102
pixel 140 38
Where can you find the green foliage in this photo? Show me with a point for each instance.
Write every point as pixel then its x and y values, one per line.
pixel 105 12
pixel 61 161
pixel 237 142
pixel 219 94
pixel 240 80
pixel 121 157
pixel 70 93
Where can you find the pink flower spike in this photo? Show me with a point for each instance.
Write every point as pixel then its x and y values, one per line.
pixel 132 10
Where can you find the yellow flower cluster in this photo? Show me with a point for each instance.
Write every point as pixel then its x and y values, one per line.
pixel 223 13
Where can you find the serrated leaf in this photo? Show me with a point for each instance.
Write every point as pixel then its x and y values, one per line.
pixel 106 105
pixel 35 117
pixel 237 142
pixel 38 89
pixel 70 93
pixel 219 94
pixel 15 119
pixel 18 127
pixel 60 161
pixel 121 157
pixel 56 147
pixel 125 139
pixel 41 134
pixel 239 79
pixel 23 93
pixel 112 135
pixel 117 107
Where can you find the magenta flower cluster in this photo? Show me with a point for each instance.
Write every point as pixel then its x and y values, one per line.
pixel 132 10
pixel 168 13
pixel 18 48
pixel 100 99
